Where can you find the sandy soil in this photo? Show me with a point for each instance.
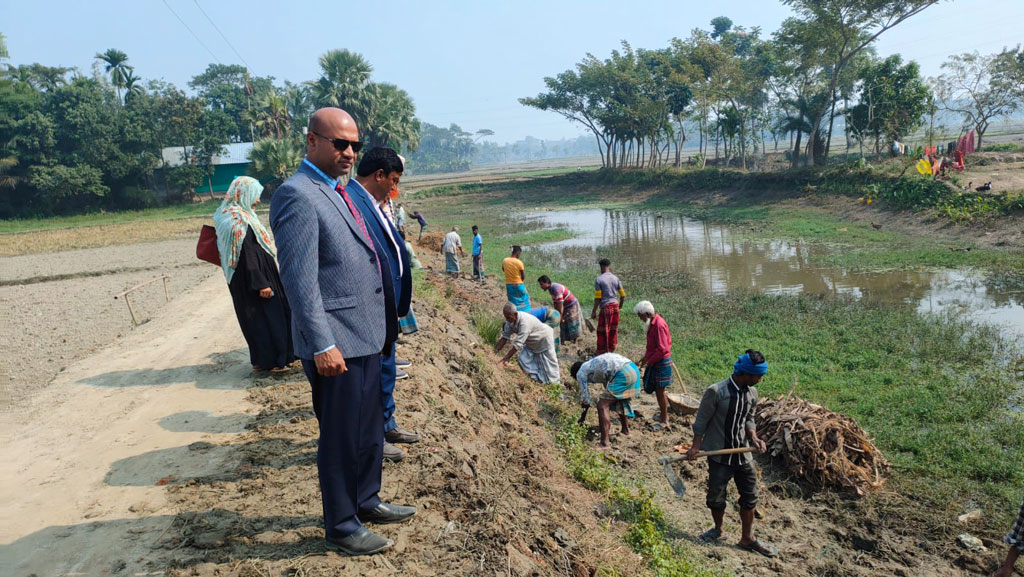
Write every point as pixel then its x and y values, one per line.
pixel 58 307
pixel 85 459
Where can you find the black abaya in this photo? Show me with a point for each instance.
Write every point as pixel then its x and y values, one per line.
pixel 265 323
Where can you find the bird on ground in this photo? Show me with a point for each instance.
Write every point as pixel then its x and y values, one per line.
pixel 984 187
pixel 969 185
pixel 876 226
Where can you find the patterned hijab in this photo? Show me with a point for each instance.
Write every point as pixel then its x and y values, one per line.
pixel 232 220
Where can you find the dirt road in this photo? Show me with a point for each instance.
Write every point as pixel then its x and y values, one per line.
pixel 85 459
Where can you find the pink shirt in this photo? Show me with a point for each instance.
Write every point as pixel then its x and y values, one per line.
pixel 659 341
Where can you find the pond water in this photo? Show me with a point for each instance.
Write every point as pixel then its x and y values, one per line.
pixel 724 260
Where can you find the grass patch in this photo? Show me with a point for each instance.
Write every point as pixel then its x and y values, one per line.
pixel 487 325
pixel 203 209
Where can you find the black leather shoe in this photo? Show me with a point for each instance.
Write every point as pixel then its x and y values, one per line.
pixel 362 542
pixel 400 435
pixel 387 513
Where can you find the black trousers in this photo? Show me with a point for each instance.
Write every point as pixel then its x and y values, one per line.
pixel 351 447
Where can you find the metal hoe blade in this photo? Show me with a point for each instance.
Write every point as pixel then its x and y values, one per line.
pixel 673 478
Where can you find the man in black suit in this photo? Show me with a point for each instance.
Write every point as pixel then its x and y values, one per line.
pixel 378 174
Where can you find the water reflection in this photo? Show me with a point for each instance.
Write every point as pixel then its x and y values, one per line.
pixel 648 241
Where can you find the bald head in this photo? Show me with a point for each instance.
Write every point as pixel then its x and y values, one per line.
pixel 325 126
pixel 510 312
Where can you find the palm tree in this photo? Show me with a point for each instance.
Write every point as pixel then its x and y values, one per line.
pixel 275 158
pixel 799 121
pixel 132 85
pixel 343 82
pixel 116 66
pixel 391 118
pixel 8 180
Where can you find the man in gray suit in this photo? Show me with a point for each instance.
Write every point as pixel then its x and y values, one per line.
pixel 332 275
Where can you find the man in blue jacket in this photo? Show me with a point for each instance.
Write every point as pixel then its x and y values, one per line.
pixel 333 277
pixel 377 175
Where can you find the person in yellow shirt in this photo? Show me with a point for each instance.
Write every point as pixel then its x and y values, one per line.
pixel 515 277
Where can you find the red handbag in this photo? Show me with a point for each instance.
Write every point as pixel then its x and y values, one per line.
pixel 206 248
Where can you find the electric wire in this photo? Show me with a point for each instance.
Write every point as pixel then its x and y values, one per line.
pixel 194 35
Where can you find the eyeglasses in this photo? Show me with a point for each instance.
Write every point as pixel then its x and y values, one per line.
pixel 340 144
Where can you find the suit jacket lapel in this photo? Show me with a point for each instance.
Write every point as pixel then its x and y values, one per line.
pixel 339 203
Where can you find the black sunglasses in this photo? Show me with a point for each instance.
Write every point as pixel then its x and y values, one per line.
pixel 340 144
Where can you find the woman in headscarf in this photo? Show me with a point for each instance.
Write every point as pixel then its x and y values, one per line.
pixel 247 257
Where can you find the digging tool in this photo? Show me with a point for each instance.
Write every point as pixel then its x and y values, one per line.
pixel 675 369
pixel 590 325
pixel 676 481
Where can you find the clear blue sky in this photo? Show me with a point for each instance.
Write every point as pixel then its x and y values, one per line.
pixel 462 61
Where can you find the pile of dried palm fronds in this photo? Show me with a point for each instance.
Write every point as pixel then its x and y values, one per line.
pixel 825 448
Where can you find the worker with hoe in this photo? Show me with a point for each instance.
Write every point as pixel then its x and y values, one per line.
pixel 725 420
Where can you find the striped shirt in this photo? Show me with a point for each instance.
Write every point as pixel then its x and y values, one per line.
pixel 561 294
pixel 726 414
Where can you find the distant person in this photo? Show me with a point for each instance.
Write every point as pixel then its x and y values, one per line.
pixel 535 343
pixel 247 258
pixel 400 218
pixel 412 252
pixel 1016 541
pixel 609 296
pixel 621 380
pixel 452 248
pixel 567 306
pixel 377 175
pixel 515 277
pixel 657 357
pixel 423 223
pixel 725 420
pixel 478 254
pixel 333 276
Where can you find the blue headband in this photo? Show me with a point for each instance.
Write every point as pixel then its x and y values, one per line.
pixel 746 366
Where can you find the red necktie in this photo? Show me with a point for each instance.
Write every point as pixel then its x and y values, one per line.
pixel 359 220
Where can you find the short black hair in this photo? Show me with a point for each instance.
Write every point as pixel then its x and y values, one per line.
pixel 604 262
pixel 575 368
pixel 755 356
pixel 475 228
pixel 516 248
pixel 380 158
pixel 543 278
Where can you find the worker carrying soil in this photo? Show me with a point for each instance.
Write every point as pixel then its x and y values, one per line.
pixel 725 420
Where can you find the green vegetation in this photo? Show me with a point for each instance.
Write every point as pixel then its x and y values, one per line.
pixel 74 143
pixel 199 209
pixel 487 325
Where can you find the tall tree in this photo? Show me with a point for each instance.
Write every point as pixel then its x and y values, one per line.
pixel 116 65
pixel 343 82
pixel 982 88
pixel 849 27
pixel 893 101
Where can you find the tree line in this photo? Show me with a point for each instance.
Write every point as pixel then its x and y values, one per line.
pixel 734 89
pixel 76 142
